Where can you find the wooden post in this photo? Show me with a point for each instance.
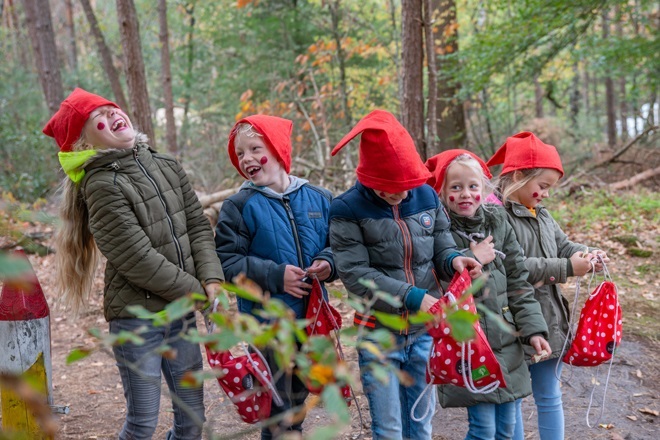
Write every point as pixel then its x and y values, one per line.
pixel 24 349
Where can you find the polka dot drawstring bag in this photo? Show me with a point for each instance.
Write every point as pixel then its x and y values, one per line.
pixel 246 379
pixel 469 364
pixel 598 332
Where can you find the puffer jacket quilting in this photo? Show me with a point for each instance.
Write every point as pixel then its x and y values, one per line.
pixel 259 232
pixel 506 293
pixel 396 247
pixel 148 223
pixel 547 251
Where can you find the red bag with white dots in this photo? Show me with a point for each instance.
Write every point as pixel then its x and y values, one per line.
pixel 246 379
pixel 599 328
pixel 471 364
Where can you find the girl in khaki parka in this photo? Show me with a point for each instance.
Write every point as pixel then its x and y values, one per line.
pixel 530 169
pixel 462 180
pixel 138 209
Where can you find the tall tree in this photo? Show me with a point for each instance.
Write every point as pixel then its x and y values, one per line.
pixel 106 57
pixel 412 80
pixel 432 74
pixel 451 118
pixel 72 49
pixel 188 78
pixel 129 29
pixel 335 16
pixel 166 76
pixel 40 28
pixel 609 92
pixel 623 111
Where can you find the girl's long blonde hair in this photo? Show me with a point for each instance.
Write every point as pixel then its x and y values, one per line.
pixel 77 256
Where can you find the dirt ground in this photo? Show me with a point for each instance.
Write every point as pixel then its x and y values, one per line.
pixel 91 388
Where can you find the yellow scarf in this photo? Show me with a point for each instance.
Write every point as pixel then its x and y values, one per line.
pixel 72 162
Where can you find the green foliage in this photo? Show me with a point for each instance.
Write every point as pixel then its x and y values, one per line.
pixel 626 212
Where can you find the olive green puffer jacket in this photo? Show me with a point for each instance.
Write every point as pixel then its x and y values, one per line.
pixel 510 297
pixel 146 220
pixel 547 252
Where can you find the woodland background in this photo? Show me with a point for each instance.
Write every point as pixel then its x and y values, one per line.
pixel 583 75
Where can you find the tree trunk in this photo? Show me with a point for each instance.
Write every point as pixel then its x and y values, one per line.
pixel 106 58
pixel 575 96
pixel 40 27
pixel 129 29
pixel 451 119
pixel 397 50
pixel 538 97
pixel 432 119
pixel 187 80
pixel 166 77
pixel 335 16
pixel 412 57
pixel 623 110
pixel 587 81
pixel 609 92
pixel 17 35
pixel 72 48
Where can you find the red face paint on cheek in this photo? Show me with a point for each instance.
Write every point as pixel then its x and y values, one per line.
pixel 100 126
pixel 263 160
pixel 451 198
pixel 535 195
pixel 382 194
pixel 477 197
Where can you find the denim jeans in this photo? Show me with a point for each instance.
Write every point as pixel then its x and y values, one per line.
pixel 547 396
pixel 490 421
pixel 390 403
pixel 140 369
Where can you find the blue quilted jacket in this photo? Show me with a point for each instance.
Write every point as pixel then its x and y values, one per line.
pixel 260 231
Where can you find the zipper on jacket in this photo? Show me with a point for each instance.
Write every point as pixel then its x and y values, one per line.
pixel 407 245
pixel 177 245
pixel 294 227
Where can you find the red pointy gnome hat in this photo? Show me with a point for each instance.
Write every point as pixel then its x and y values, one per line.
pixel 389 160
pixel 67 123
pixel 525 151
pixel 276 133
pixel 439 163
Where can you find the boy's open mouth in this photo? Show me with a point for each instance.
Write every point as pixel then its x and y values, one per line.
pixel 252 170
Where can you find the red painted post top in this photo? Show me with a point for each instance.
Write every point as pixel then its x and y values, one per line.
pixel 22 298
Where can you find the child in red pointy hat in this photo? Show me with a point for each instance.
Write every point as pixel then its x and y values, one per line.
pixel 138 209
pixel 462 181
pixel 390 228
pixel 275 231
pixel 530 168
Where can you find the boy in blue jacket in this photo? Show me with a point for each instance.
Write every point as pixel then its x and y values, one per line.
pixel 275 231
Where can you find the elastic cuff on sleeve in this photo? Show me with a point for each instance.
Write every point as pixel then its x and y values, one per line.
pixel 414 298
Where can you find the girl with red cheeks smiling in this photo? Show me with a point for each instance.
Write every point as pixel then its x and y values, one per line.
pixel 462 182
pixel 137 208
pixel 530 168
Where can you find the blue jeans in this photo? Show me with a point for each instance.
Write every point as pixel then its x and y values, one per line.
pixel 490 421
pixel 140 369
pixel 547 396
pixel 390 403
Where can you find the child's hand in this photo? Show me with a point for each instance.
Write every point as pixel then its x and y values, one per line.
pixel 484 251
pixel 581 263
pixel 541 346
pixel 460 263
pixel 320 268
pixel 211 290
pixel 293 283
pixel 427 303
pixel 598 262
